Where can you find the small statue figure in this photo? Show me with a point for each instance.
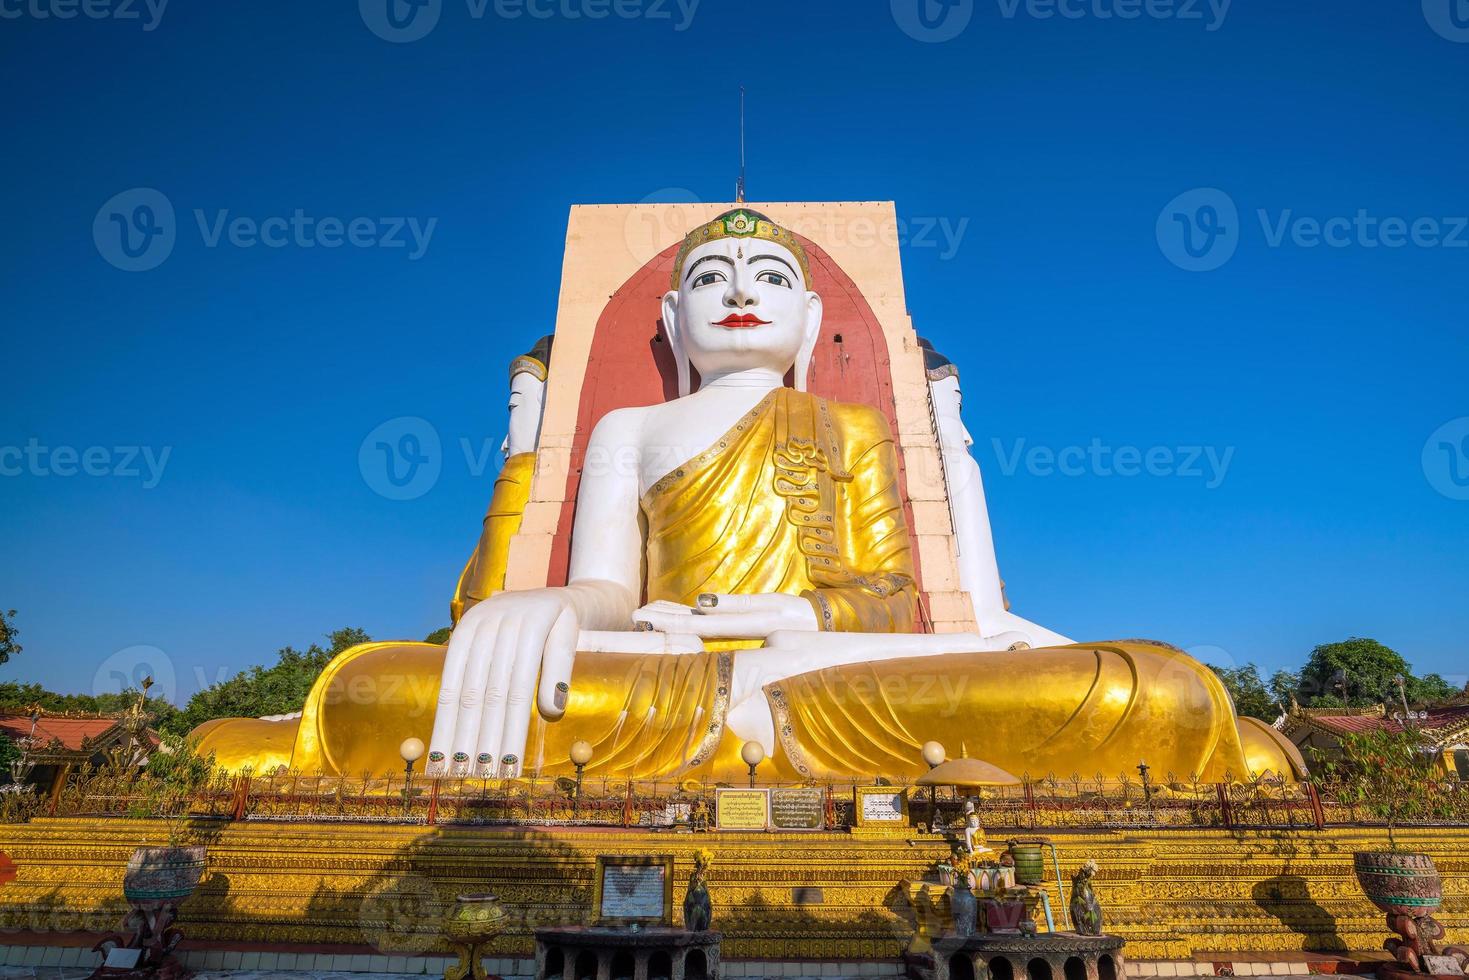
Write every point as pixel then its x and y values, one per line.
pixel 699 816
pixel 971 828
pixel 697 911
pixel 1086 910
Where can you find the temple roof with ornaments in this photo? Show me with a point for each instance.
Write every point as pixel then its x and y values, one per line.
pixel 1443 726
pixel 69 736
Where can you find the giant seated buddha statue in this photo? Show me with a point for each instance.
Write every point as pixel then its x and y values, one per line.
pixel 741 568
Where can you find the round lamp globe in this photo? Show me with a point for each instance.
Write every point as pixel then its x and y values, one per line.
pixel 411 750
pixel 934 753
pixel 753 753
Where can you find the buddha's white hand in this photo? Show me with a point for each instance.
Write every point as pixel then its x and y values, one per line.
pixel 731 617
pixel 489 679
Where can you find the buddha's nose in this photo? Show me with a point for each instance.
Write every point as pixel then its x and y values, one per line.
pixel 741 292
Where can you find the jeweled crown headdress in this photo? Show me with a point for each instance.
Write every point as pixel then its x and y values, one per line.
pixel 537 362
pixel 937 365
pixel 741 223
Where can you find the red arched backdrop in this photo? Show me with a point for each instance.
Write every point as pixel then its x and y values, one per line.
pixel 630 363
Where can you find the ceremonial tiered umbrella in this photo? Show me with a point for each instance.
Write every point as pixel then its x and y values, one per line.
pixel 967 772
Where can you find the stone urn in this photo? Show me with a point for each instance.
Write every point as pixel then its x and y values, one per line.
pixel 1406 887
pixel 1400 884
pixel 163 874
pixel 156 880
pixel 471 924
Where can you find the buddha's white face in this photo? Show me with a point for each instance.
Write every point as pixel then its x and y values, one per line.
pixel 742 303
pixel 527 398
pixel 948 404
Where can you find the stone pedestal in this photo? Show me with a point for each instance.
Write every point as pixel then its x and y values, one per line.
pixel 621 953
pixel 1049 956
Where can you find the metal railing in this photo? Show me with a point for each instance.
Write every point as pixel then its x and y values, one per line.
pixel 1050 803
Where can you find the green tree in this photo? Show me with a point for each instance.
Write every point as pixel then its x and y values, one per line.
pixel 1283 686
pixel 1357 672
pixel 8 633
pixel 1430 689
pixel 275 690
pixel 1387 774
pixel 9 752
pixel 18 697
pixel 439 636
pixel 1361 672
pixel 1251 696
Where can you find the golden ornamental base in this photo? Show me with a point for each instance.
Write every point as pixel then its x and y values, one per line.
pixel 1171 894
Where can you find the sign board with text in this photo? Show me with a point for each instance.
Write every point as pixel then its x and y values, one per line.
pixel 742 809
pixel 798 808
pixel 880 806
pixel 634 890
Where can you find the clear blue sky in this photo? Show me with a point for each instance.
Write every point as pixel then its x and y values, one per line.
pixel 1320 372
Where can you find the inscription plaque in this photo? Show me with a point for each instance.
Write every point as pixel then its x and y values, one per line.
pixel 742 809
pixel 634 889
pixel 880 806
pixel 801 808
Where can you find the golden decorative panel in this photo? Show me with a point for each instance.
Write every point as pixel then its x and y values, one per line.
pixel 1171 893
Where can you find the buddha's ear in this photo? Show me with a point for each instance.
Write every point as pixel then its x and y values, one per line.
pixel 814 311
pixel 675 342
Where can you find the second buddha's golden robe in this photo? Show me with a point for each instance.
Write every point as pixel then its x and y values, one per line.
pixel 800 497
pixel 484 573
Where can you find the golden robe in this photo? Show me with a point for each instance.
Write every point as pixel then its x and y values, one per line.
pixel 484 573
pixel 800 497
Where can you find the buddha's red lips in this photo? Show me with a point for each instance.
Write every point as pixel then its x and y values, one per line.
pixel 742 321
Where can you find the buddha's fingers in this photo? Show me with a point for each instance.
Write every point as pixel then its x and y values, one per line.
pixel 718 603
pixel 728 626
pixel 446 716
pixel 472 692
pixel 672 622
pixel 764 612
pixel 484 739
pixel 529 656
pixel 556 663
pixel 664 605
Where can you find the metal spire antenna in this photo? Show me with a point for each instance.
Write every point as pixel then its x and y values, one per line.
pixel 740 186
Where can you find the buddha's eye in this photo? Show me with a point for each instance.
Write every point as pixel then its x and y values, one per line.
pixel 774 278
pixel 709 279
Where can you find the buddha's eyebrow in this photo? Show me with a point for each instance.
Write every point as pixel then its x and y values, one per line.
pixel 773 258
pixel 709 258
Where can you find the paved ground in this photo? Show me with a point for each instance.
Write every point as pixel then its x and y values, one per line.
pixel 80 973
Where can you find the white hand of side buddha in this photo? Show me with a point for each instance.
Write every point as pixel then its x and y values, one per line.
pixel 731 617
